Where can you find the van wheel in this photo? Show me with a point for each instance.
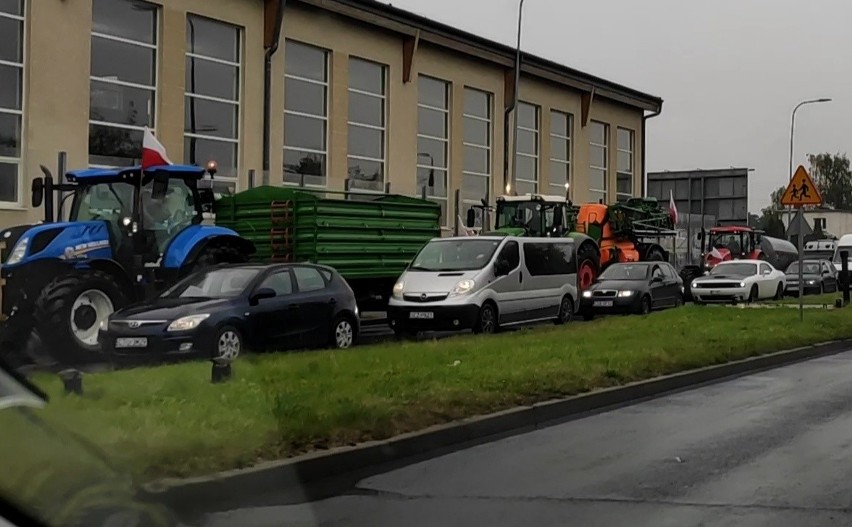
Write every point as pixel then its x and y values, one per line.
pixel 487 321
pixel 566 311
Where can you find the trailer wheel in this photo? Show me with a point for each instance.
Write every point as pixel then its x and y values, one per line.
pixel 70 310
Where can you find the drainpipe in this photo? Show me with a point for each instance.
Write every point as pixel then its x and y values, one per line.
pixel 267 86
pixel 645 118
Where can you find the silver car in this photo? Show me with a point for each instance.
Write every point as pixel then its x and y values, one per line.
pixel 483 283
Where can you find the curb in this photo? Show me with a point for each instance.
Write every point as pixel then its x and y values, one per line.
pixel 245 485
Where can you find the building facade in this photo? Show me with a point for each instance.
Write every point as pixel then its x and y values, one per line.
pixel 330 95
pixel 719 194
pixel 832 223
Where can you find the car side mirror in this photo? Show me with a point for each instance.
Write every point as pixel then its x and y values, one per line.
pixel 262 294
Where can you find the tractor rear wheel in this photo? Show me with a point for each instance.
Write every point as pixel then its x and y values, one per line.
pixel 655 254
pixel 588 266
pixel 214 255
pixel 69 312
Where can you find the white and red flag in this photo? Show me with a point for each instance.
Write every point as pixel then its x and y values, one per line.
pixel 153 151
pixel 672 207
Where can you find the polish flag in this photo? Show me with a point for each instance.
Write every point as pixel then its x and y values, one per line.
pixel 714 252
pixel 672 207
pixel 153 152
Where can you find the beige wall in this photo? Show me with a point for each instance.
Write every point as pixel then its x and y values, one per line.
pixel 57 96
pixel 56 99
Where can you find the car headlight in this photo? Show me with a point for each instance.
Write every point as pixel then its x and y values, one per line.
pixel 811 282
pixel 463 287
pixel 187 323
pixel 104 324
pixel 19 251
pixel 625 294
pixel 742 284
pixel 587 294
pixel 398 288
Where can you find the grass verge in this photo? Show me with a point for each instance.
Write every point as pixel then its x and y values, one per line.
pixel 170 421
pixel 811 300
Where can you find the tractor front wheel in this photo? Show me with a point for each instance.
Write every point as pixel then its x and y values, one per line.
pixel 69 312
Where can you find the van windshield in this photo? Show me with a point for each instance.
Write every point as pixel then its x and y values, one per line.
pixel 839 250
pixel 455 255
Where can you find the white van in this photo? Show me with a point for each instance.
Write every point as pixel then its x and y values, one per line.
pixel 843 244
pixel 486 282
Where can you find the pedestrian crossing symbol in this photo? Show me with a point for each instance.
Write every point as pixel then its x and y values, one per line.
pixel 801 190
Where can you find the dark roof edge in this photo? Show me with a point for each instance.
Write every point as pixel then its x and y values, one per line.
pixel 406 22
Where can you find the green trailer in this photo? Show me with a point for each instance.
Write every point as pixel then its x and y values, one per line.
pixel 369 239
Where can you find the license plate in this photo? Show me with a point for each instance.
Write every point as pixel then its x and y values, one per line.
pixel 422 315
pixel 134 342
pixel 603 303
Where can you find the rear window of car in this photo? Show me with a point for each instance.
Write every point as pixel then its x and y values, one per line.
pixel 309 279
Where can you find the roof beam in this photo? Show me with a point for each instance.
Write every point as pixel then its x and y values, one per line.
pixel 409 51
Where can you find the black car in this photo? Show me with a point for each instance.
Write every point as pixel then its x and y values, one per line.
pixel 633 288
pixel 218 312
pixel 819 276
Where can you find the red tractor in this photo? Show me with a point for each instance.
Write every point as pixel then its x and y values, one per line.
pixel 721 244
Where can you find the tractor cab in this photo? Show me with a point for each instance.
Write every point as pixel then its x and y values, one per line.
pixel 531 215
pixel 731 243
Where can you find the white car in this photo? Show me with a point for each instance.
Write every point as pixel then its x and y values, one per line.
pixel 739 281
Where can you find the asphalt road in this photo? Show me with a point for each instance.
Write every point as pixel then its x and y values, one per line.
pixel 772 449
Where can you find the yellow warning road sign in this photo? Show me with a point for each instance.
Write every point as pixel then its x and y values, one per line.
pixel 801 190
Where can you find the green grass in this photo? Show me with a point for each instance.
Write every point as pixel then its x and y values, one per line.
pixel 170 421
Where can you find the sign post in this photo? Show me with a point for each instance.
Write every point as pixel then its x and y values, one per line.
pixel 800 192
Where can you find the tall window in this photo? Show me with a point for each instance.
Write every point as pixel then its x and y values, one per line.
pixel 624 174
pixel 526 162
pixel 123 80
pixel 11 98
pixel 598 161
pixel 560 152
pixel 212 97
pixel 305 114
pixel 476 177
pixel 433 139
pixel 367 125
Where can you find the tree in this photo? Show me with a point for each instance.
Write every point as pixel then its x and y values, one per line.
pixel 832 175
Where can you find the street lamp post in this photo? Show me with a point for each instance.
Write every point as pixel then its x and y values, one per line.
pixel 792 130
pixel 514 178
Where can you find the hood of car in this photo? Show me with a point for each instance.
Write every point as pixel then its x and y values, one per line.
pixel 416 282
pixel 723 278
pixel 171 308
pixel 620 285
pixel 807 276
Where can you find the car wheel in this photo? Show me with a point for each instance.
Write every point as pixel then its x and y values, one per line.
pixel 645 305
pixel 342 334
pixel 566 311
pixel 487 321
pixel 779 292
pixel 229 344
pixel 752 295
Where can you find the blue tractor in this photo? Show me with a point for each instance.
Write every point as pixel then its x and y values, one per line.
pixel 130 233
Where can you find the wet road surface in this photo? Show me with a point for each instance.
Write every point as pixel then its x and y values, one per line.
pixel 771 449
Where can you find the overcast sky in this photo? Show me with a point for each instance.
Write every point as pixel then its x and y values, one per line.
pixel 729 71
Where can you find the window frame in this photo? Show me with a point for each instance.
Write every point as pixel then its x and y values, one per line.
pixel 287 272
pixel 18 161
pixel 568 163
pixel 631 152
pixel 326 119
pixel 298 287
pixel 595 192
pixel 383 129
pixel 488 148
pixel 154 88
pixel 238 103
pixel 441 200
pixel 535 157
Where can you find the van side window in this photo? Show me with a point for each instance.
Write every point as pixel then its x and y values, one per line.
pixel 512 254
pixel 543 259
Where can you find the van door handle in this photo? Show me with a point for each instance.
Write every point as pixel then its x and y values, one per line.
pixel 521 277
